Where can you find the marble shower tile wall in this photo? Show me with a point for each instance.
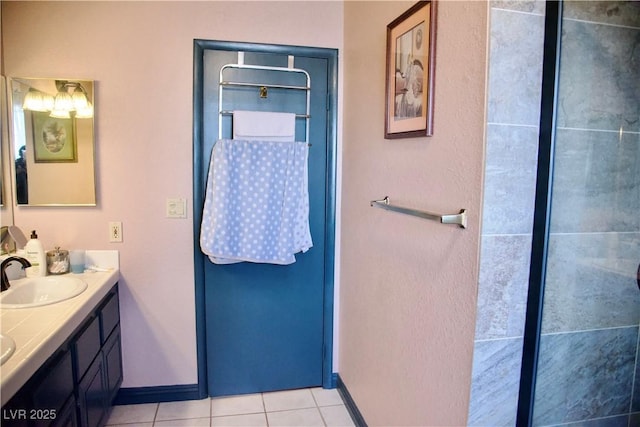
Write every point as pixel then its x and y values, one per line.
pixel 635 399
pixel 595 384
pixel 588 365
pixel 515 68
pixel 494 387
pixel 502 287
pixel 596 184
pixel 617 421
pixel 591 282
pixel 599 66
pixel 510 174
pixel 592 310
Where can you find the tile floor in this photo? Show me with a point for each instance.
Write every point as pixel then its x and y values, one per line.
pixel 294 408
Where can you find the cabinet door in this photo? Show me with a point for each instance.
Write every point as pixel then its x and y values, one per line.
pixel 109 315
pixel 67 417
pixel 113 364
pixel 45 398
pixel 14 413
pixel 92 395
pixel 53 390
pixel 86 346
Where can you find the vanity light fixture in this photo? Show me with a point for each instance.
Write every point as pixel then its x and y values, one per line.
pixel 86 112
pixel 64 102
pixel 35 100
pixel 79 99
pixel 60 114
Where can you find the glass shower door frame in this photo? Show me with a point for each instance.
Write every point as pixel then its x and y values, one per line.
pixel 580 349
pixel 541 219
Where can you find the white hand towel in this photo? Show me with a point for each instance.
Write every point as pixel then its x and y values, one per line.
pixel 264 126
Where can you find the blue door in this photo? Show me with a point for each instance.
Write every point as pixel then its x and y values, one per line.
pixel 266 325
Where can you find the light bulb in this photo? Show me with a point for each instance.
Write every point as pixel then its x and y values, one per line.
pixel 33 101
pixel 85 113
pixel 60 114
pixel 63 101
pixel 47 102
pixel 80 101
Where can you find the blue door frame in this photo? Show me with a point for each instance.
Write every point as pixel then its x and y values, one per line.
pixel 331 55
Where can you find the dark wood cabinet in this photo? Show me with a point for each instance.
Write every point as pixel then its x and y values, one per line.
pixel 92 391
pixel 68 415
pixel 112 352
pixel 52 391
pixel 77 385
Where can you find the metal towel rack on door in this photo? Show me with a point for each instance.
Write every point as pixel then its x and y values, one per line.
pixel 459 218
pixel 263 87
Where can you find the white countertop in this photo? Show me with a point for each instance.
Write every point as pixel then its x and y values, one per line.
pixel 39 331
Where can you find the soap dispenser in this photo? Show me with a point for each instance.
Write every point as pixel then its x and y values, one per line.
pixel 34 253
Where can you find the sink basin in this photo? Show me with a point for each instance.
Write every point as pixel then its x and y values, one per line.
pixel 37 291
pixel 7 347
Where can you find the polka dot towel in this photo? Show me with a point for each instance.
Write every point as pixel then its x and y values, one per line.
pixel 257 202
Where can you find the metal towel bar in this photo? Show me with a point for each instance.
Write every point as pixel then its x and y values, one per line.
pixel 459 218
pixel 225 84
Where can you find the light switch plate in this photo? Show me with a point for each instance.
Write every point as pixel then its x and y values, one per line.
pixel 176 208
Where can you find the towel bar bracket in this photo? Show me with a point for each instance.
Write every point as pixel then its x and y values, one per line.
pixel 459 219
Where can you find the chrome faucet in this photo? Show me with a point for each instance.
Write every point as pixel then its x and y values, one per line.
pixel 5 282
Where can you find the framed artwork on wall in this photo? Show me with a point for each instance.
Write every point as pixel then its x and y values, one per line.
pixel 410 69
pixel 53 139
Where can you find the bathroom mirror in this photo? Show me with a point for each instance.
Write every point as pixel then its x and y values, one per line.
pixel 52 141
pixel 3 123
pixel 5 193
pixel 6 206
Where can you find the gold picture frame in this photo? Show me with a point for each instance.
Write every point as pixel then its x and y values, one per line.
pixel 411 40
pixel 53 139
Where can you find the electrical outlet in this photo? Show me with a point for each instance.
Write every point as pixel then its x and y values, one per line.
pixel 115 231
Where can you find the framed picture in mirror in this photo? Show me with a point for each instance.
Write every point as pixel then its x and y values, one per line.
pixel 53 139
